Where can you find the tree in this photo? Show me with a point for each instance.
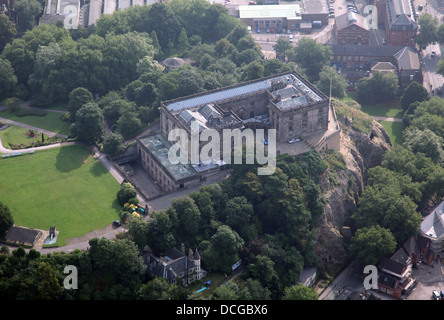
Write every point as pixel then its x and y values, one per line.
pixel 428 30
pixel 48 284
pixel 137 228
pixel 6 220
pixel 338 82
pixel 299 292
pixel 160 237
pixel 253 70
pixel 89 123
pixel 282 46
pixel 226 291
pixel 189 217
pixel 223 249
pixel 440 67
pixel 385 205
pixel 310 56
pixel 112 144
pixel 128 124
pixel 121 257
pixel 379 88
pixel 239 214
pixel 77 99
pixel 370 244
pixel 8 80
pixel 163 20
pixel 182 42
pixel 125 193
pixel 190 81
pixel 415 92
pixel 426 142
pixel 27 13
pixel 7 31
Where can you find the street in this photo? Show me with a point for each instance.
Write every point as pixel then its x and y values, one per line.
pixel 429 61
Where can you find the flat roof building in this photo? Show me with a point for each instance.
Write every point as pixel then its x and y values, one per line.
pixel 275 17
pixel 153 152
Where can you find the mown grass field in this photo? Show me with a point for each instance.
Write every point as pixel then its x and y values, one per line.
pixel 390 109
pixel 51 121
pixel 394 130
pixel 63 187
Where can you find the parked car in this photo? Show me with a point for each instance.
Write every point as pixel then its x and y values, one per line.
pixel 433 54
pixel 265 142
pixel 293 140
pixel 252 2
pixel 116 223
pixel 436 295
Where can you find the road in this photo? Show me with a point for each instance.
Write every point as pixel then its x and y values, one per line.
pixel 432 80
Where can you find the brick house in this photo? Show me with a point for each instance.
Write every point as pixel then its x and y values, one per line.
pixel 399 21
pixel 351 28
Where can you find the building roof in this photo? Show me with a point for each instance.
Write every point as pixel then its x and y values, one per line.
pixel 433 225
pixel 384 67
pixel 288 11
pixel 247 88
pixel 407 59
pixel 314 7
pixel 173 263
pixel 365 50
pixel 159 147
pixel 400 15
pixel 59 10
pixel 391 266
pixel 349 19
pixel 306 274
pixel 22 235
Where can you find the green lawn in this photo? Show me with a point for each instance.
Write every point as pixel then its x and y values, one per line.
pixel 17 135
pixel 388 109
pixel 51 121
pixel 63 187
pixel 394 130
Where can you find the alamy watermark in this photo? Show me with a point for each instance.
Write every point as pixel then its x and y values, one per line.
pixel 371 280
pixel 71 280
pixel 187 150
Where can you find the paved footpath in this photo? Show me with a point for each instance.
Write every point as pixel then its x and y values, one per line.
pixel 27 126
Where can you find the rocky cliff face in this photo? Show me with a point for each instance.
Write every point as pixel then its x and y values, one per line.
pixel 361 152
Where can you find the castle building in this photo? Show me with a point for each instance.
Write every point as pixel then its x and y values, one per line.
pixel 286 102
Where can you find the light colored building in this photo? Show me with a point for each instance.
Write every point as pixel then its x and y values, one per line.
pixel 67 11
pixel 286 102
pixel 432 227
pixel 275 17
pixel 153 155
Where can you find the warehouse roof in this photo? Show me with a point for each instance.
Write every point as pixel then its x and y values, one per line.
pixel 289 11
